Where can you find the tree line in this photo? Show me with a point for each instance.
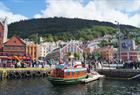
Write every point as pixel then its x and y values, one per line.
pixel 53 29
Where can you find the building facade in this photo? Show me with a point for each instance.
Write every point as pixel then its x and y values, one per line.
pixel 130 55
pixel 128 51
pixel 32 50
pixel 15 46
pixel 45 48
pixel 107 53
pixel 62 53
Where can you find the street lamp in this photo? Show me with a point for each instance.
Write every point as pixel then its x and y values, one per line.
pixel 119 39
pixel 71 58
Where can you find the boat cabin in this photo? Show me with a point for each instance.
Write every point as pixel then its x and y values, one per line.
pixel 63 71
pixel 69 73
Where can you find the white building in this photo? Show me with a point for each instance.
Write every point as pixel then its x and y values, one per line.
pixel 45 48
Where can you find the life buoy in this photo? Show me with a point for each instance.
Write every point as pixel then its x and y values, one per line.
pixel 28 74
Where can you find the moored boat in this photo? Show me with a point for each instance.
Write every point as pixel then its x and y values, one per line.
pixel 65 74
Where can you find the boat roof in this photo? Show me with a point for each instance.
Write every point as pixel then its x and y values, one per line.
pixel 75 69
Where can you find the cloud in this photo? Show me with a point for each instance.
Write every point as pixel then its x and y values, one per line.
pixel 103 10
pixel 4 12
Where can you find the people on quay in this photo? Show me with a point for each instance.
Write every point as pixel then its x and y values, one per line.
pixel 98 65
pixel 22 64
pixel 18 64
pixel 33 63
pixel 4 64
pixel 131 64
pixel 50 62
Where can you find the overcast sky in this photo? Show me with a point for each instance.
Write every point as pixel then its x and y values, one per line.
pixel 123 11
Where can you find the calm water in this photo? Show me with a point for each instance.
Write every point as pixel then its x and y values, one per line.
pixel 43 87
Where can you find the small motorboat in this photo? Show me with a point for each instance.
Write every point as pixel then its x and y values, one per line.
pixel 92 77
pixel 64 74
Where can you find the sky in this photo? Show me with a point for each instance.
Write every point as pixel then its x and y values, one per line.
pixel 122 11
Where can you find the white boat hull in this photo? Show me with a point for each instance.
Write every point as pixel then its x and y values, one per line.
pixel 92 78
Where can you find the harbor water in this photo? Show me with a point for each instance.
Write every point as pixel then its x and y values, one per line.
pixel 44 87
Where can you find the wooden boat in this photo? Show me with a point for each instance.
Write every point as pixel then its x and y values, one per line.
pixel 92 77
pixel 64 74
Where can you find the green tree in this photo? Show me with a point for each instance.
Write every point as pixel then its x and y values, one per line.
pixel 104 43
pixel 77 55
pixel 54 29
pixel 137 40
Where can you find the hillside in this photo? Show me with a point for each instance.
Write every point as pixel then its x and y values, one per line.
pixel 65 28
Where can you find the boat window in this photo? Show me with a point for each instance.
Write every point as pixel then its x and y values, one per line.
pixel 72 73
pixel 78 73
pixel 67 73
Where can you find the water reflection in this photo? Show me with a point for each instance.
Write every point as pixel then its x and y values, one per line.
pixel 44 87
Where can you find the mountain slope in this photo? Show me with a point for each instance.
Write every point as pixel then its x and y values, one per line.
pixel 65 28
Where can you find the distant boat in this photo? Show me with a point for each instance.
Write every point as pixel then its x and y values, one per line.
pixel 64 74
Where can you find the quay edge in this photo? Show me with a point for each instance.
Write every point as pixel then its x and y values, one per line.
pixel 14 73
pixel 120 73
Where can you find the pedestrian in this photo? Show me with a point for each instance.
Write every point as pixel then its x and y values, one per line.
pixel 34 63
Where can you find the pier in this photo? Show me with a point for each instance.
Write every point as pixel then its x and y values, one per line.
pixel 22 73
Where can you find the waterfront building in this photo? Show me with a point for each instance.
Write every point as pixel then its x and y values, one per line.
pixel 107 52
pixel 128 50
pixel 62 52
pixel 127 45
pixel 15 46
pixel 32 50
pixel 130 55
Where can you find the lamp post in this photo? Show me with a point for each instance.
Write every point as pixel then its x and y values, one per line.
pixel 71 58
pixel 119 39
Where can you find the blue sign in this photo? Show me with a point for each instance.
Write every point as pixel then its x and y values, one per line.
pixel 125 45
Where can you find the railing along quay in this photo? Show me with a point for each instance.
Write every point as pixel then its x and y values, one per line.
pixel 21 73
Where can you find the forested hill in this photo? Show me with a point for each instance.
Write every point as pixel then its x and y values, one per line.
pixel 65 28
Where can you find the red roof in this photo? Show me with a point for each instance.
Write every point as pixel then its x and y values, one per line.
pixel 15 40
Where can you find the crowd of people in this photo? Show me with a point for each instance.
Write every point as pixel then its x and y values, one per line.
pixel 131 65
pixel 98 64
pixel 25 63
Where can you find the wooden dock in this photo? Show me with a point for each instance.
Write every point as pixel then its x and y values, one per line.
pixel 17 73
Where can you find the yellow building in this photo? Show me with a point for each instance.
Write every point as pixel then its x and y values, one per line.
pixel 106 52
pixel 32 50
